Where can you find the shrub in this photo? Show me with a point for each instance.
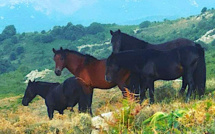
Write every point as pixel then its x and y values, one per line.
pixel 12 56
pixel 47 38
pixel 19 50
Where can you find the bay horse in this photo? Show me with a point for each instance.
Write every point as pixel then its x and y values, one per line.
pixel 88 69
pixel 59 96
pixel 155 65
pixel 121 42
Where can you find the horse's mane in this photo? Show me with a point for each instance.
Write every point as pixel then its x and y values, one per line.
pixel 43 82
pixel 128 39
pixel 88 58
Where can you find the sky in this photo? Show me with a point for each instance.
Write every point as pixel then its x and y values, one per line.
pixel 37 15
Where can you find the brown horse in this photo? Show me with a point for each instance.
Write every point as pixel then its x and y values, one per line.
pixel 88 69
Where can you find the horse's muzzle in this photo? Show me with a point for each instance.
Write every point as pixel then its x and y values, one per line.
pixel 58 72
pixel 24 102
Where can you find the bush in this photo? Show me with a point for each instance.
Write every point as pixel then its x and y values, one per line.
pixel 47 38
pixel 5 66
pixel 12 56
pixel 37 38
pixel 14 40
pixel 85 50
pixel 72 47
pixel 19 50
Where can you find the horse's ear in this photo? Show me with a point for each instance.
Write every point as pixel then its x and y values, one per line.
pixel 29 81
pixel 61 48
pixel 34 81
pixel 119 31
pixel 53 50
pixel 111 32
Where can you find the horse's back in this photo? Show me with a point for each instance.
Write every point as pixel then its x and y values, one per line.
pixel 180 42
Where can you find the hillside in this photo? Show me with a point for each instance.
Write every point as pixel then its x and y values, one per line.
pixel 24 53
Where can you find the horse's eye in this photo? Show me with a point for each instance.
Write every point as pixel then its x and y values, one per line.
pixel 61 58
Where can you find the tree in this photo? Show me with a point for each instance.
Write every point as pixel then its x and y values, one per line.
pixel 204 9
pixel 144 24
pixel 14 40
pixel 2 37
pixel 9 31
pixel 95 28
pixel 43 32
pixel 57 30
pixel 72 32
pixel 47 38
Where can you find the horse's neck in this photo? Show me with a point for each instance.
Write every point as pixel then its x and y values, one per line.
pixel 75 63
pixel 135 43
pixel 43 89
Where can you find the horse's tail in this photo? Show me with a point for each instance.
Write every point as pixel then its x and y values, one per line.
pixel 200 72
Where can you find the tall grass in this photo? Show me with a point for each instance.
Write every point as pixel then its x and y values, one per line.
pixel 169 114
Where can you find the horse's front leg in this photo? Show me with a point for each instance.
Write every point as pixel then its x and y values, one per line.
pixel 60 112
pixel 122 88
pixel 50 111
pixel 151 92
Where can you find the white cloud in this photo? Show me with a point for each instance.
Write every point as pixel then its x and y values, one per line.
pixel 1 17
pixel 12 7
pixel 32 16
pixel 194 3
pixel 66 7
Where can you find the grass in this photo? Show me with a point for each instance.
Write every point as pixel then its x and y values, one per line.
pixel 169 114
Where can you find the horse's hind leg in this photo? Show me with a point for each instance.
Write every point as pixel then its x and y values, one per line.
pixel 191 85
pixel 183 87
pixel 143 89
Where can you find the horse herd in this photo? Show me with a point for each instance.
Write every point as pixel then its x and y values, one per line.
pixel 133 64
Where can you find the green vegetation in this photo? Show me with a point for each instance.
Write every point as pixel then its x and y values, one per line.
pixel 31 51
pixel 24 52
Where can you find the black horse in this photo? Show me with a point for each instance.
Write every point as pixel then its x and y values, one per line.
pixel 59 96
pixel 121 42
pixel 155 65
